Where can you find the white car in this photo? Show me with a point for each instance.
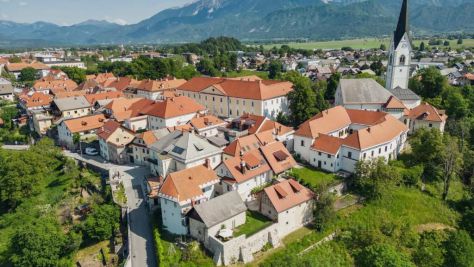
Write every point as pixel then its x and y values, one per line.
pixel 91 151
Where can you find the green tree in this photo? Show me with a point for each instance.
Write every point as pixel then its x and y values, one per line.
pixel 459 249
pixel 382 255
pixel 15 59
pixel 460 41
pixel 275 69
pixel 324 211
pixel 456 105
pixel 28 75
pixel 302 101
pixel 102 223
pixel 427 145
pixel 383 47
pixel 206 67
pixel 374 177
pixel 333 83
pixel 76 74
pixel 430 251
pixel 43 244
pixel 431 83
pixel 446 43
pixel 452 162
pixel 422 46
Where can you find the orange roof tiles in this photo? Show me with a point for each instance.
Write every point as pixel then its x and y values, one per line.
pixel 108 129
pixel 148 137
pixel 69 94
pixel 121 138
pixel 92 98
pixel 159 85
pixel 252 159
pixel 427 112
pixel 288 194
pixel 206 121
pixel 242 145
pixel 327 144
pixel 19 66
pixel 253 89
pixel 325 122
pixel 123 108
pixel 394 103
pixel 187 184
pixel 174 107
pixel 278 157
pixel 120 83
pixel 87 123
pixel 263 124
pixel 36 100
pixel 55 85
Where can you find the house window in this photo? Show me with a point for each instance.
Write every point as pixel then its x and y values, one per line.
pixel 386 148
pixel 372 153
pixel 430 125
pixel 349 155
pixel 380 150
pixel 302 142
pixel 319 153
pixel 329 156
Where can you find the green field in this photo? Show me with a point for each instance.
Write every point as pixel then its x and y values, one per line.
pixel 360 44
pixel 312 177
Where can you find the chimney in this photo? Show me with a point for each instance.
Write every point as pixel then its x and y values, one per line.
pixel 207 164
pixel 242 167
pixel 368 129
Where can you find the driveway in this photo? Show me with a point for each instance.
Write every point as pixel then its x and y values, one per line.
pixel 141 235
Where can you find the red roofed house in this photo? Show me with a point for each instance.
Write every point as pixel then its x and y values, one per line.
pixel 182 190
pixel 426 116
pixel 337 138
pixel 231 98
pixel 128 112
pixel 113 142
pixel 86 127
pixel 172 112
pixel 288 203
pixel 244 173
pixel 153 89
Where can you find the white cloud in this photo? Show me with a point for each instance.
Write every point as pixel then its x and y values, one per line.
pixel 119 21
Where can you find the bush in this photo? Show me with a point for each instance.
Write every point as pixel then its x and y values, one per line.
pixel 459 249
pixel 382 255
pixel 102 223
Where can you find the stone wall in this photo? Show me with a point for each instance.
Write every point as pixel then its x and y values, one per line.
pixel 241 248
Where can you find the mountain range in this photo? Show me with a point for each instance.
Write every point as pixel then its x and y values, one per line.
pixel 253 20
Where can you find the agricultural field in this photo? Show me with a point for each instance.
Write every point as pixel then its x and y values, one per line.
pixel 360 44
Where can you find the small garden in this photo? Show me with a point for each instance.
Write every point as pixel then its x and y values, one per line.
pixel 254 223
pixel 313 178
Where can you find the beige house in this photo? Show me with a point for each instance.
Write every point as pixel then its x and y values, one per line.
pixel 113 141
pixel 42 122
pixel 153 89
pixel 223 212
pixel 426 116
pixel 72 107
pixel 288 203
pixel 85 127
pixel 231 98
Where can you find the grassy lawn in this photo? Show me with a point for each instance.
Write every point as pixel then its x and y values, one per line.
pixel 253 224
pixel 313 177
pixel 360 44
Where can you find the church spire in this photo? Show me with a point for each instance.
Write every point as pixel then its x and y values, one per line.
pixel 403 26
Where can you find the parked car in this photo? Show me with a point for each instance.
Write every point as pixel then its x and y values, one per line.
pixel 92 151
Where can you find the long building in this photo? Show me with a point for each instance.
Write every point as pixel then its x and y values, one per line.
pixel 231 98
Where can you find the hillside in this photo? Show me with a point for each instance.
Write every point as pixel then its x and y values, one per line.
pixel 254 20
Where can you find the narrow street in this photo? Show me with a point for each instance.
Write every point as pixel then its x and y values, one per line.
pixel 141 235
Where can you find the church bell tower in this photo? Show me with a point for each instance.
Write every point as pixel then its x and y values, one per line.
pixel 398 69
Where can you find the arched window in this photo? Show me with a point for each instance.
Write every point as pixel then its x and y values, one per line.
pixel 402 60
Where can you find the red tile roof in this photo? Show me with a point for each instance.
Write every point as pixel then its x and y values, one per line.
pixel 278 157
pixel 255 165
pixel 427 112
pixel 187 184
pixel 92 98
pixel 288 194
pixel 87 123
pixel 247 89
pixel 174 107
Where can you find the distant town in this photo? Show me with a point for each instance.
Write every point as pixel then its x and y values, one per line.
pixel 222 153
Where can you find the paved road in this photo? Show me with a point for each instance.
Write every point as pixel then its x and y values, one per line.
pixel 141 236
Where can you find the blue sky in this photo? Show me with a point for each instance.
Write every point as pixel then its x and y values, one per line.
pixel 67 12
